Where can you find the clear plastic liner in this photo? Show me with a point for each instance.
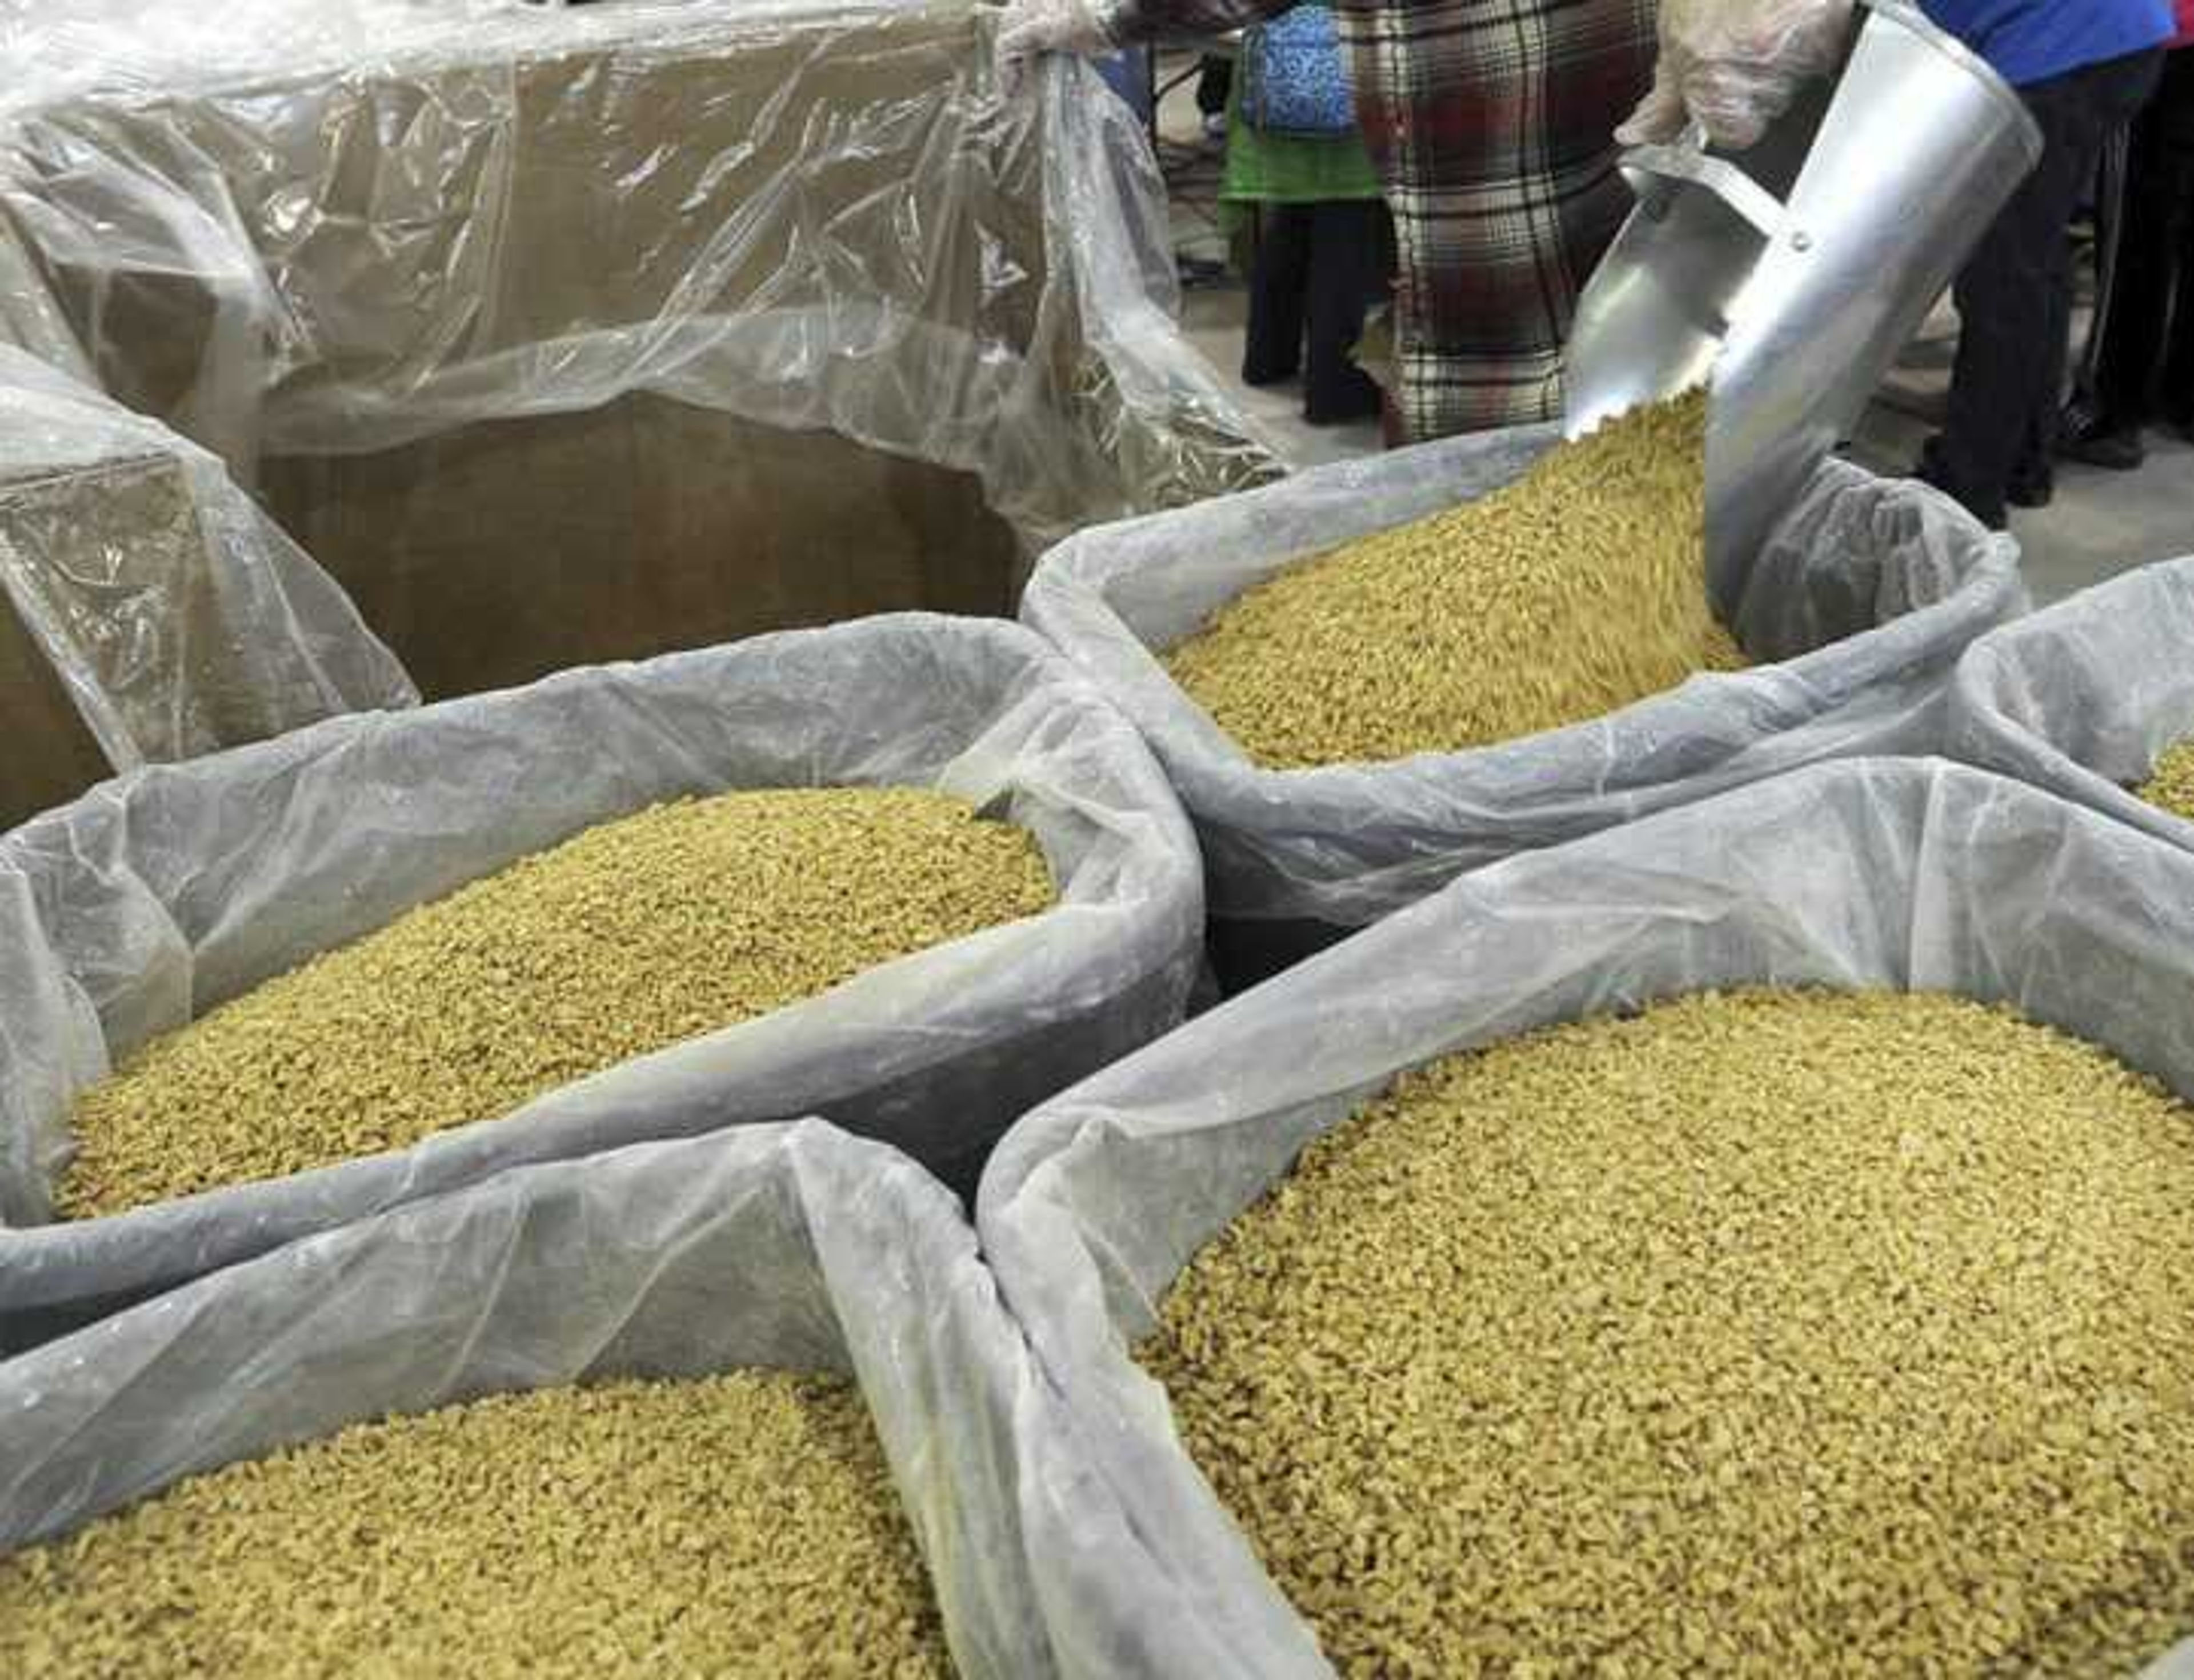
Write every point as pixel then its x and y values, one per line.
pixel 2083 697
pixel 1856 609
pixel 790 1247
pixel 149 610
pixel 1907 873
pixel 163 895
pixel 340 229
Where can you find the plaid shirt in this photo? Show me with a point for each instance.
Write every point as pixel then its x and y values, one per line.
pixel 1492 125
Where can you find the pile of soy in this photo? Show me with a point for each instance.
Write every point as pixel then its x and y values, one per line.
pixel 1570 594
pixel 628 937
pixel 743 1524
pixel 2170 785
pixel 1772 1332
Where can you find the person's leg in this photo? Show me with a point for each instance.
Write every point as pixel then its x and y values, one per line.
pixel 2014 298
pixel 1344 277
pixel 1505 192
pixel 1273 350
pixel 2081 408
pixel 1214 81
pixel 2002 308
pixel 2135 312
pixel 2033 481
pixel 2141 311
pixel 2174 191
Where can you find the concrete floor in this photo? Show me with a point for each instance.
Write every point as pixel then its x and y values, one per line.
pixel 2101 524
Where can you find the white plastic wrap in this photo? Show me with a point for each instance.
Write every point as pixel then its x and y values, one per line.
pixel 173 616
pixel 342 228
pixel 1910 873
pixel 2082 697
pixel 1858 608
pixel 160 895
pixel 791 1247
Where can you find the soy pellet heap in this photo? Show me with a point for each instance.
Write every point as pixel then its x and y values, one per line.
pixel 1804 1334
pixel 627 938
pixel 2170 785
pixel 1575 592
pixel 740 1525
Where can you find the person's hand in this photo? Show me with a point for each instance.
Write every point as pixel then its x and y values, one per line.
pixel 1028 29
pixel 1733 66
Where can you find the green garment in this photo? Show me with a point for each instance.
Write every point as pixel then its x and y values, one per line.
pixel 1265 169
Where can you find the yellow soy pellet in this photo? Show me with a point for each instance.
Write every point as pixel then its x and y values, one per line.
pixel 2170 785
pixel 1573 592
pixel 737 1525
pixel 625 939
pixel 1762 1333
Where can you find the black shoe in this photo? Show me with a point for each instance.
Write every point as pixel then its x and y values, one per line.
pixel 2113 451
pixel 1931 471
pixel 1258 375
pixel 2032 490
pixel 2095 440
pixel 1365 402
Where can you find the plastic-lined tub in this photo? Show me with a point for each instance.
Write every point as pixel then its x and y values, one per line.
pixel 1906 875
pixel 1854 613
pixel 155 898
pixel 790 1247
pixel 2082 697
pixel 666 326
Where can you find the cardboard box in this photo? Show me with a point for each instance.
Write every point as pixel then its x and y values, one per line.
pixel 569 335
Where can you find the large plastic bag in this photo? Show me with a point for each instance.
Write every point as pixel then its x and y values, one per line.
pixel 161 894
pixel 498 304
pixel 1857 608
pixel 1910 873
pixel 2082 697
pixel 791 1247
pixel 148 610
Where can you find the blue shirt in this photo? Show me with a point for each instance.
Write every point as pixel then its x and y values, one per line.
pixel 2030 41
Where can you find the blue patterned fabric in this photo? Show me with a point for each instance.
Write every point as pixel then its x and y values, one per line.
pixel 1296 76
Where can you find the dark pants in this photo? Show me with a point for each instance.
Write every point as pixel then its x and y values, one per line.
pixel 1215 82
pixel 2145 349
pixel 2015 295
pixel 1318 269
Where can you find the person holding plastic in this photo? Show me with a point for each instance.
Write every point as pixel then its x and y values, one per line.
pixel 1491 126
pixel 2082 68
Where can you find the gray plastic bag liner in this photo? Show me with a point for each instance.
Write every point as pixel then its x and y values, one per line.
pixel 1910 873
pixel 163 894
pixel 1858 607
pixel 794 1247
pixel 174 616
pixel 2082 698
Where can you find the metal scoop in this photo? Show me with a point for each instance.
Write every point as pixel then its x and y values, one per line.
pixel 1794 273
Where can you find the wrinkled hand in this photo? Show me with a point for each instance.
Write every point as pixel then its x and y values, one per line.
pixel 1735 66
pixel 1028 29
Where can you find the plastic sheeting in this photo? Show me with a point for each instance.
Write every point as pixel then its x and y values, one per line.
pixel 791 1247
pixel 161 895
pixel 349 229
pixel 2083 697
pixel 148 610
pixel 1857 608
pixel 1910 873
